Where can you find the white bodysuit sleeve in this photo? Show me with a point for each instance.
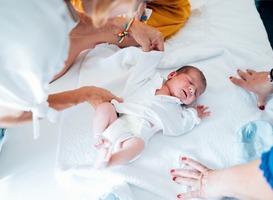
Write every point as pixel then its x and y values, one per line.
pixel 188 121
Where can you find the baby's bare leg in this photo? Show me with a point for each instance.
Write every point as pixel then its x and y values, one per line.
pixel 104 116
pixel 130 149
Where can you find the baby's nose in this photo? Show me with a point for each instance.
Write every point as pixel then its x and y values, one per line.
pixel 192 90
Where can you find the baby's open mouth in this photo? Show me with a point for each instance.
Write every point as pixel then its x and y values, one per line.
pixel 185 93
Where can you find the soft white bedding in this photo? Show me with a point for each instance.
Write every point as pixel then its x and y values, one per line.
pixel 220 37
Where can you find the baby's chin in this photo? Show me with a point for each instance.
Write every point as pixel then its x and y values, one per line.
pixel 187 102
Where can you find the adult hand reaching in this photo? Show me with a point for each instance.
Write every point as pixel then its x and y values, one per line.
pixel 95 95
pixel 140 11
pixel 91 94
pixel 148 37
pixel 200 177
pixel 256 82
pixel 241 181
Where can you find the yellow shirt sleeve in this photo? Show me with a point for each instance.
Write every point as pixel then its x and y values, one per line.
pixel 168 16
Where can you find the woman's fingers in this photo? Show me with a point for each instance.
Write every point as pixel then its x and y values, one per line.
pixel 192 182
pixel 194 164
pixel 189 195
pixel 250 71
pixel 186 173
pixel 242 74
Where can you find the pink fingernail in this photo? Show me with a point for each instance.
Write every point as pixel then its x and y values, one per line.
pixel 230 77
pixel 261 107
pixel 174 178
pixel 172 171
pixel 184 158
pixel 179 196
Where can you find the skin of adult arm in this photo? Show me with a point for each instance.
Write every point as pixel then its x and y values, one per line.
pixel 59 101
pixel 241 181
pixel 85 36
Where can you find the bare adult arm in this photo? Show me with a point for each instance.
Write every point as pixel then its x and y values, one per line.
pixel 91 94
pixel 256 82
pixel 59 101
pixel 85 36
pixel 241 181
pixel 10 117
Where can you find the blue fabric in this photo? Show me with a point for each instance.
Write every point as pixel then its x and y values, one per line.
pixel 2 134
pixel 111 196
pixel 267 166
pixel 256 138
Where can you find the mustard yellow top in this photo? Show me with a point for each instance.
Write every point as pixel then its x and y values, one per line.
pixel 168 16
pixel 77 3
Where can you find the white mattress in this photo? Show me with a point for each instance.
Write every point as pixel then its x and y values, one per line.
pixel 220 37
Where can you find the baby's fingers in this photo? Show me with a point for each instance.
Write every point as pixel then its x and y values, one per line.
pixel 204 108
pixel 206 114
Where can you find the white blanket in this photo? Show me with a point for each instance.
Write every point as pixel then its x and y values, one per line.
pixel 220 37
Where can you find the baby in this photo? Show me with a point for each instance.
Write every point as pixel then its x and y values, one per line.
pixel 123 129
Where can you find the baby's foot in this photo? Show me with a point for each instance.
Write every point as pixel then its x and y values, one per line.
pixel 103 157
pixel 99 143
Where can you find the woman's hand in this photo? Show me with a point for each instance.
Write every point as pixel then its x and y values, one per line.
pixel 140 11
pixel 148 37
pixel 256 82
pixel 205 180
pixel 95 95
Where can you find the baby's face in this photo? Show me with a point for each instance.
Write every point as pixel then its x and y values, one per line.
pixel 186 87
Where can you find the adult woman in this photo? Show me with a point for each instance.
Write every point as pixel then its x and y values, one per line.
pixel 253 180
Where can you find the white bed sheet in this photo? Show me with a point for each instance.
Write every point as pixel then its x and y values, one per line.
pixel 220 37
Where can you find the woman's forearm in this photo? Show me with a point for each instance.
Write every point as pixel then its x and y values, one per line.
pixel 245 182
pixel 90 94
pixel 64 100
pixel 10 117
pixel 59 101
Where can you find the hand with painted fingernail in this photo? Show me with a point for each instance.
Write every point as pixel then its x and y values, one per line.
pixel 200 177
pixel 256 82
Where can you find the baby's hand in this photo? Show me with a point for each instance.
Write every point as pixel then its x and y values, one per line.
pixel 201 110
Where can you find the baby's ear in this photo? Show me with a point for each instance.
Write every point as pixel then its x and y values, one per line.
pixel 172 74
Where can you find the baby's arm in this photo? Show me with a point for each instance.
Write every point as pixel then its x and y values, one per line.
pixel 187 119
pixel 202 111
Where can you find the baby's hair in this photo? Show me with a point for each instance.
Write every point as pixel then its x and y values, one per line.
pixel 186 69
